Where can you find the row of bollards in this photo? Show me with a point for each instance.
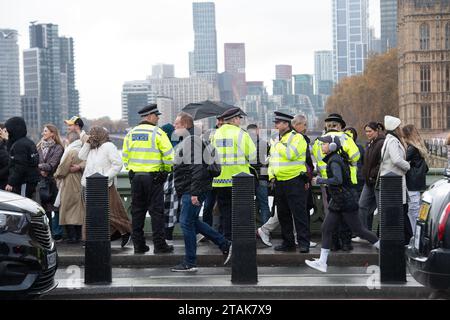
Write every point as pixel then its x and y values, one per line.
pixel 98 268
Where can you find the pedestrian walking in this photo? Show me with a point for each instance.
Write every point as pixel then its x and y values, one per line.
pixel 148 155
pixel 287 174
pixel 236 151
pixel 102 157
pixel 23 174
pixel 416 155
pixel 335 125
pixel 192 182
pixel 343 203
pixel 171 201
pixel 300 125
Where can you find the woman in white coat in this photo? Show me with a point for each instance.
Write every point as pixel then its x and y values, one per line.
pixel 103 157
pixel 393 159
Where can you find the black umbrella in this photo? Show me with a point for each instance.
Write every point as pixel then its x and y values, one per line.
pixel 206 109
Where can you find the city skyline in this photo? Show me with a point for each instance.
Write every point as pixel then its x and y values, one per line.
pixel 96 39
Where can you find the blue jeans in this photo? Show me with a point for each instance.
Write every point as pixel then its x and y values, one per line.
pixel 56 228
pixel 262 195
pixel 191 225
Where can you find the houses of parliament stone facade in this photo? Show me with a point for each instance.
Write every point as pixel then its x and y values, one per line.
pixel 424 64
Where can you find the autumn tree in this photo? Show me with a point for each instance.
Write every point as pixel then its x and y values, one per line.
pixel 369 96
pixel 113 126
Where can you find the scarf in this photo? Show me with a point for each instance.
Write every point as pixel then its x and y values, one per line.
pixel 46 145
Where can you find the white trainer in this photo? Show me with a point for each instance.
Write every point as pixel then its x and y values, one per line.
pixel 265 238
pixel 312 244
pixel 359 240
pixel 317 265
pixel 200 238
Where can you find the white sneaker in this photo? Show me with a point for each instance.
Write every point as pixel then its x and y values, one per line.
pixel 359 240
pixel 265 238
pixel 169 242
pixel 311 212
pixel 375 212
pixel 230 253
pixel 200 238
pixel 312 244
pixel 377 245
pixel 317 265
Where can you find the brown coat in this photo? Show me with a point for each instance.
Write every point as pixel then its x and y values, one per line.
pixel 71 210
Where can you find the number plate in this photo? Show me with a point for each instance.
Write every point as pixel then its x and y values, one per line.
pixel 417 237
pixel 51 260
pixel 424 210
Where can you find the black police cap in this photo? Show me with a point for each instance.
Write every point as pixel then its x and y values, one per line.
pixel 337 118
pixel 152 108
pixel 231 113
pixel 280 116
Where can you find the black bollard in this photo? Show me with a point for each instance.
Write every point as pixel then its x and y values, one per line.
pixel 244 269
pixel 392 249
pixel 98 243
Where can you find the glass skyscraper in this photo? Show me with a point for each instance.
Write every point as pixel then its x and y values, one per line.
pixel 323 67
pixel 388 17
pixel 205 37
pixel 9 75
pixel 42 72
pixel 350 37
pixel 49 73
pixel 68 73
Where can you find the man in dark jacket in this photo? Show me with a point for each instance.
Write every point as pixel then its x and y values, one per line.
pixel 192 182
pixel 23 159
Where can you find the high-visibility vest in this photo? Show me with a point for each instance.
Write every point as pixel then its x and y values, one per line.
pixel 236 152
pixel 349 147
pixel 287 157
pixel 146 148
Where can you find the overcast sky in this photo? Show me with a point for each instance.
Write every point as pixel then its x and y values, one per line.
pixel 118 41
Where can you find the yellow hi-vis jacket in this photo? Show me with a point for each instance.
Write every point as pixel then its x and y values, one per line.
pixel 146 148
pixel 287 157
pixel 236 152
pixel 349 147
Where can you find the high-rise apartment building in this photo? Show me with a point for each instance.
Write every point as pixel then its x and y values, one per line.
pixel 388 20
pixel 205 41
pixel 9 75
pixel 323 67
pixel 49 73
pixel 235 65
pixel 350 37
pixel 135 96
pixel 163 71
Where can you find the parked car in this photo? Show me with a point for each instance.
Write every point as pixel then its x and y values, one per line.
pixel 28 257
pixel 428 253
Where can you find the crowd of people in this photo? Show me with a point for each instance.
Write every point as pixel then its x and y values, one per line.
pixel 177 171
pixel 53 172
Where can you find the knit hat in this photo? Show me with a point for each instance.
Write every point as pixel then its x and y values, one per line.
pixel 391 123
